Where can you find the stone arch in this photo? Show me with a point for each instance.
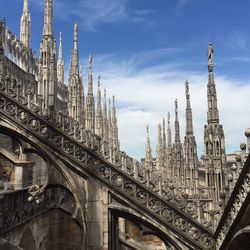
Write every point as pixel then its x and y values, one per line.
pixel 138 235
pixel 241 240
pixel 146 225
pixel 27 241
pixel 71 181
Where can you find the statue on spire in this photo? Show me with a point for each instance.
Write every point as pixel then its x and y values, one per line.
pixel 176 107
pixel 210 52
pixel 168 118
pixel 75 28
pixel 90 61
pixel 99 80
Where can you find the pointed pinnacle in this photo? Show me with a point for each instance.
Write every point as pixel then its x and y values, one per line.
pixel 90 61
pixel 187 89
pixel 75 35
pixel 60 47
pixel 25 6
pixel 176 107
pixel 99 81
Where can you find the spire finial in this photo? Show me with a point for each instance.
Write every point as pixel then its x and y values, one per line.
pixel 25 27
pixel 75 35
pixel 177 126
pixel 189 119
pixel 109 110
pixel 213 113
pixel 60 62
pixel 148 151
pixel 60 47
pixel 25 6
pixel 210 52
pixel 90 61
pixel 159 135
pixel 99 80
pixel 187 89
pixel 48 18
pixel 164 141
pixel 169 132
pixel 113 108
pixel 176 108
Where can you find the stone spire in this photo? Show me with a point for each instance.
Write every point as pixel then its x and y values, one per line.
pixel 170 170
pixel 83 96
pixel 60 63
pixel 62 89
pixel 47 77
pixel 110 129
pixel 148 152
pixel 25 25
pixel 213 113
pixel 177 147
pixel 176 124
pixel 75 87
pixel 105 117
pixel 159 150
pixel 48 18
pixel 164 140
pixel 90 77
pixel 116 144
pixel 70 62
pixel 99 118
pixel 164 147
pixel 190 147
pixel 75 56
pixel 90 101
pixel 169 132
pixel 214 139
pixel 189 119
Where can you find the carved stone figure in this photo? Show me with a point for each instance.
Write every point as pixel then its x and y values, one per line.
pixel 210 53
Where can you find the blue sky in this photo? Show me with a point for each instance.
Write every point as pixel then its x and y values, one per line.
pixel 146 49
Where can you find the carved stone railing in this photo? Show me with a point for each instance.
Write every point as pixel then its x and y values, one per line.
pixel 83 149
pixel 234 208
pixel 15 209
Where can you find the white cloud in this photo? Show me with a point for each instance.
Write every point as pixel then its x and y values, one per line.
pixel 145 96
pixel 92 13
pixel 237 40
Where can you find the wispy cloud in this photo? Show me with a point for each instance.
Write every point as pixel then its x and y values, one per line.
pixel 237 40
pixel 145 96
pixel 182 2
pixel 92 13
pixel 144 12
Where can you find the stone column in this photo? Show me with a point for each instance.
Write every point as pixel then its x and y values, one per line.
pixel 18 180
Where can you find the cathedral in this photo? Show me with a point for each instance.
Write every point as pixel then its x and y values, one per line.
pixel 65 182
